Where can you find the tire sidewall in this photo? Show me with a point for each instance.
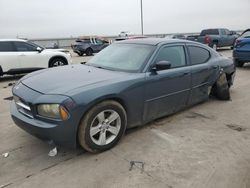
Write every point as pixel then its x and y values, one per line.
pixel 84 130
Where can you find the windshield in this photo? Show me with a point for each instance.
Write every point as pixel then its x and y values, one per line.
pixel 122 57
pixel 246 35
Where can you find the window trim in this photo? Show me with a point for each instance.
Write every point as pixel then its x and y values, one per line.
pixel 166 46
pixel 196 46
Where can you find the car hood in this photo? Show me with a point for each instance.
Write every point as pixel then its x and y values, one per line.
pixel 60 80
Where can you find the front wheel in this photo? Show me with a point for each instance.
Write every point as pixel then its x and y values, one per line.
pixel 102 127
pixel 89 52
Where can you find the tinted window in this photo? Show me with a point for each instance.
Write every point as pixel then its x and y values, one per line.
pixel 6 47
pixel 24 47
pixel 228 32
pixel 198 55
pixel 210 32
pixel 174 54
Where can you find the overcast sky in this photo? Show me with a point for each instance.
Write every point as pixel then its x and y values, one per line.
pixel 65 18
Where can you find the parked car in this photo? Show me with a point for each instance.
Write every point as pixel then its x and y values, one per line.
pixel 89 46
pixel 241 52
pixel 22 56
pixel 215 38
pixel 128 84
pixel 176 36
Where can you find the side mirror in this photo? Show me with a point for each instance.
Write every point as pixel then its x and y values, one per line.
pixel 39 49
pixel 162 65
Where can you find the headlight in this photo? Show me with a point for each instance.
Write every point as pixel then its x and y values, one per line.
pixel 53 111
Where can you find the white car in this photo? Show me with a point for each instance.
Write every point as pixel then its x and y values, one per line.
pixel 22 56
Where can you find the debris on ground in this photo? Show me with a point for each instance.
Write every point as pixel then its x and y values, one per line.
pixel 53 152
pixel 136 163
pixel 236 127
pixel 5 155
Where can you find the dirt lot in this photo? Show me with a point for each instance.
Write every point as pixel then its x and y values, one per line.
pixel 204 146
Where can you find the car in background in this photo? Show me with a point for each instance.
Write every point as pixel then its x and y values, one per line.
pixel 128 84
pixel 22 56
pixel 241 52
pixel 176 36
pixel 89 45
pixel 215 38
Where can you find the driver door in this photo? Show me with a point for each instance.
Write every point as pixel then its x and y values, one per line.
pixel 167 91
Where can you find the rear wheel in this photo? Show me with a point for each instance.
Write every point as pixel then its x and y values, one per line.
pixel 102 127
pixel 238 63
pixel 221 88
pixel 89 52
pixel 56 62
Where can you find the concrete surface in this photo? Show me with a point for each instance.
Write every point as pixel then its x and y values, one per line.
pixel 204 146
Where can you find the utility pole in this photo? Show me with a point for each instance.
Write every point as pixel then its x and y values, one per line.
pixel 142 32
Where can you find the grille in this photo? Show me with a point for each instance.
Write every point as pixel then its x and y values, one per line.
pixel 23 107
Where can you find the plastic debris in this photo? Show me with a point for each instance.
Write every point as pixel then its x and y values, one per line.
pixel 53 152
pixel 5 155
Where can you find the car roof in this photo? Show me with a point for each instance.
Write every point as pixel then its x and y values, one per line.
pixel 153 41
pixel 12 40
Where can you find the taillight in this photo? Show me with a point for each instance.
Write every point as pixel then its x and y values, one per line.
pixel 207 40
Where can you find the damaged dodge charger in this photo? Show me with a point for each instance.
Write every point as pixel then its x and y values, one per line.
pixel 128 84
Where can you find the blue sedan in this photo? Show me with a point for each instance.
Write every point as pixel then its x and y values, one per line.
pixel 241 51
pixel 127 84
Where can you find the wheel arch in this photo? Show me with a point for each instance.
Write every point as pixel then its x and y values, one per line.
pixel 58 56
pixel 98 101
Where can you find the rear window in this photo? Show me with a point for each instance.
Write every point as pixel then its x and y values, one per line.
pixel 6 47
pixel 210 32
pixel 198 55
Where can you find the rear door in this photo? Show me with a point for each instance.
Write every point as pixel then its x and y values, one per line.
pixel 201 73
pixel 168 91
pixel 8 56
pixel 29 57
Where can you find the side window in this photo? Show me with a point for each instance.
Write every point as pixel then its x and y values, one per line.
pixel 198 55
pixel 24 47
pixel 227 32
pixel 174 54
pixel 6 47
pixel 99 42
pixel 223 32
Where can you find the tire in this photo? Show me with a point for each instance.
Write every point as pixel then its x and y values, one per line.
pixel 96 120
pixel 222 90
pixel 56 62
pixel 238 63
pixel 89 52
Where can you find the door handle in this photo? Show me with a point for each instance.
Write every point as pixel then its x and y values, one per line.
pixel 185 73
pixel 22 55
